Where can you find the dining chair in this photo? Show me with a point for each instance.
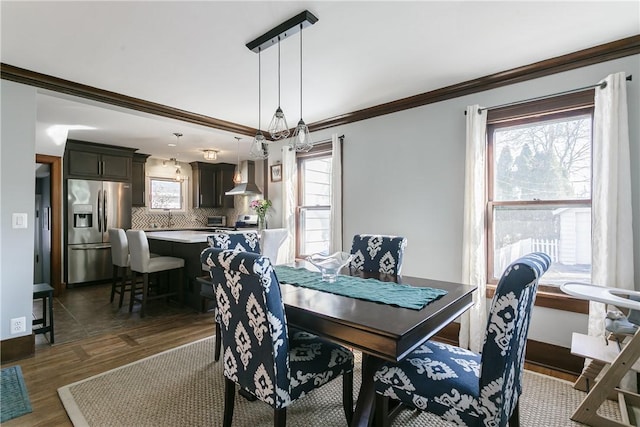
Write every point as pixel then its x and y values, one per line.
pixel 461 386
pixel 378 253
pixel 248 242
pixel 245 241
pixel 262 354
pixel 271 239
pixel 120 260
pixel 142 262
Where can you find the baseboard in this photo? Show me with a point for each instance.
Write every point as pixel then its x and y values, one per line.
pixel 538 353
pixel 17 348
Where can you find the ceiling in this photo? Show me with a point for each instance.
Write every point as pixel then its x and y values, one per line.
pixel 192 56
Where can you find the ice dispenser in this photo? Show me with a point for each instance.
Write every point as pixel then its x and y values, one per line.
pixel 82 216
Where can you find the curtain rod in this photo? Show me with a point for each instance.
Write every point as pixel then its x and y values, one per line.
pixel 539 98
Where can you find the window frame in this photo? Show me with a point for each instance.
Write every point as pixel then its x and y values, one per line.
pixel 183 201
pixel 569 105
pixel 318 151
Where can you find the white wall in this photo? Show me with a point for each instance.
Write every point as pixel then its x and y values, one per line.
pixel 404 175
pixel 17 195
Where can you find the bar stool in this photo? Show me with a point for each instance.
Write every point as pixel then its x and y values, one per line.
pixel 45 292
pixel 142 262
pixel 120 261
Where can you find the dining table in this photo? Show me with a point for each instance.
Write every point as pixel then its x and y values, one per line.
pixel 382 332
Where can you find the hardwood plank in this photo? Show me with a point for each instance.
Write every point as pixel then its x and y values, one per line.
pixel 59 365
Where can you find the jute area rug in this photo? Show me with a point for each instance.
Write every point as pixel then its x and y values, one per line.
pixel 184 387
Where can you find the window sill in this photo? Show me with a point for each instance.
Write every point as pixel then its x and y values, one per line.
pixel 553 297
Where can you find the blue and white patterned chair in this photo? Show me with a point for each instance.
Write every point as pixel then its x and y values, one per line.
pixel 377 253
pixel 248 242
pixel 262 354
pixel 463 387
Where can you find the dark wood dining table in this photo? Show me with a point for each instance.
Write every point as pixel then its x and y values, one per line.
pixel 381 332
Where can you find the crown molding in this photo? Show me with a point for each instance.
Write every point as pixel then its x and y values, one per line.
pixel 594 55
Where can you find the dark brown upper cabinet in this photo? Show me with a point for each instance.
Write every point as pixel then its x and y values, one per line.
pixel 210 182
pixel 88 160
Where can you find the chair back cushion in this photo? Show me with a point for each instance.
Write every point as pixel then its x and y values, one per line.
pixel 271 240
pixel 506 337
pixel 377 253
pixel 138 251
pixel 119 247
pixel 254 327
pixel 248 241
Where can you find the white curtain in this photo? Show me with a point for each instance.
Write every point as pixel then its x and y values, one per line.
pixel 335 243
pixel 474 272
pixel 611 228
pixel 289 202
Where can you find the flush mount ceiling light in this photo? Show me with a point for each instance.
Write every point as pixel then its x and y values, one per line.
pixel 210 154
pixel 278 127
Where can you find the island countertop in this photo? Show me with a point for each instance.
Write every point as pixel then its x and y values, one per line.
pixel 180 236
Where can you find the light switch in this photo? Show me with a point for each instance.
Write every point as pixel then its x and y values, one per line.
pixel 19 220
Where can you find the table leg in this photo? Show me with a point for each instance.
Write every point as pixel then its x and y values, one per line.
pixel 363 415
pixel 587 411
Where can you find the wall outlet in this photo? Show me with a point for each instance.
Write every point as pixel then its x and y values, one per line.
pixel 19 324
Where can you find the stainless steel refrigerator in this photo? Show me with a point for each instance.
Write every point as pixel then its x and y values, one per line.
pixel 92 208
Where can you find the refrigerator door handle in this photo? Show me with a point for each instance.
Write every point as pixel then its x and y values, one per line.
pixel 99 211
pixel 104 209
pixel 90 248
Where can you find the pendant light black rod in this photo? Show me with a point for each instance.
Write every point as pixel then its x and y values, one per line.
pixel 282 31
pixel 278 71
pixel 259 92
pixel 300 71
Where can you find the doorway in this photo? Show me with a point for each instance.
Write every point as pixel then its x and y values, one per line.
pixel 54 218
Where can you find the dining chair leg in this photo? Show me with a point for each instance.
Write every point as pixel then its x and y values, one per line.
pixel 218 344
pixel 229 396
pixel 382 411
pixel 145 290
pixel 514 420
pixel 347 396
pixel 280 417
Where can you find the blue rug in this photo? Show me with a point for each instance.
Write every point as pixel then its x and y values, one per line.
pixel 15 399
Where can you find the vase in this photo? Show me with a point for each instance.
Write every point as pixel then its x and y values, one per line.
pixel 262 222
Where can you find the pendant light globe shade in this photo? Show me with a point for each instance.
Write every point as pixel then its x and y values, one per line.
pixel 300 141
pixel 278 128
pixel 259 149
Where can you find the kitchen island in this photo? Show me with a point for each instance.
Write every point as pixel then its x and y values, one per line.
pixel 185 244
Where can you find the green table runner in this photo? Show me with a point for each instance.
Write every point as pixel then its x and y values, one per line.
pixel 356 287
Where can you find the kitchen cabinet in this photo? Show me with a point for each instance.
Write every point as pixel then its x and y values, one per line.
pixel 210 182
pixel 87 160
pixel 138 179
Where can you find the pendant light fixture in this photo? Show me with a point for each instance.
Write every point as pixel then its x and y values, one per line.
pixel 237 175
pixel 300 141
pixel 258 149
pixel 279 129
pixel 179 177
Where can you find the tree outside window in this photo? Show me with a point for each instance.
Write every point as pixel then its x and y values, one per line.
pixel 540 193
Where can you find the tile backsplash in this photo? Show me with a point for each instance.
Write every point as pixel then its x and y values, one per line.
pixel 142 219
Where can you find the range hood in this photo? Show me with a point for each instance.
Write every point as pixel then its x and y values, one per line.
pixel 248 187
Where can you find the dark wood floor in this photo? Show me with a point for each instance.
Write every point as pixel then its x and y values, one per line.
pixel 93 336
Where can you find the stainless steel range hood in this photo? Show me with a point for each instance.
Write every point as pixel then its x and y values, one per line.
pixel 248 187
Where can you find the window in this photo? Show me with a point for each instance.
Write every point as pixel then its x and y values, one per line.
pixel 314 198
pixel 539 192
pixel 165 193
